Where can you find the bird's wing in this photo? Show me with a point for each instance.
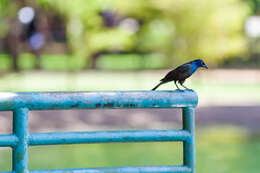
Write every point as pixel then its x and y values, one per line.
pixel 185 68
pixel 180 73
pixel 184 71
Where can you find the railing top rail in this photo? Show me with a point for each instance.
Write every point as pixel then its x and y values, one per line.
pixel 97 100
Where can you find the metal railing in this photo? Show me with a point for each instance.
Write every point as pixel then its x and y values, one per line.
pixel 21 139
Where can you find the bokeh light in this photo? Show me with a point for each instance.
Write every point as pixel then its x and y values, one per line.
pixel 252 26
pixel 37 40
pixel 26 15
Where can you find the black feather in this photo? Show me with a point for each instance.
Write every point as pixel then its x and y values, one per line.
pixel 181 73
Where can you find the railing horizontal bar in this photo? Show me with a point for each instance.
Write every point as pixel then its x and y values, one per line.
pixel 108 136
pixel 8 140
pixel 156 169
pixel 97 100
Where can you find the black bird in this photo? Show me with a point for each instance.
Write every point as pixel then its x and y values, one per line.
pixel 181 73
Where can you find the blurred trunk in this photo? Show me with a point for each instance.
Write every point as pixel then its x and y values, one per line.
pixel 95 57
pixel 12 44
pixel 37 64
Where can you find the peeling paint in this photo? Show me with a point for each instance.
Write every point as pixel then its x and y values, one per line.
pixel 20 140
pixel 96 100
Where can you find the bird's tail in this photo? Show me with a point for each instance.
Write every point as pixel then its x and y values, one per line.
pixel 157 85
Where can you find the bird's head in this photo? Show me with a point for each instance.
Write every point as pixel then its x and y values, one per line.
pixel 200 63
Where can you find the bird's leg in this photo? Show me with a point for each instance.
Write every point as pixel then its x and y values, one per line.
pixel 185 87
pixel 181 82
pixel 177 85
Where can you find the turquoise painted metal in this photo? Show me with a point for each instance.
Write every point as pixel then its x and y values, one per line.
pixel 21 139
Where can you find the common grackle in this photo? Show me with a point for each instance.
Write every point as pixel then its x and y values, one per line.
pixel 181 73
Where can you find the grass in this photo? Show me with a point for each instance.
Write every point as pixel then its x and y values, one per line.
pixel 219 150
pixel 26 61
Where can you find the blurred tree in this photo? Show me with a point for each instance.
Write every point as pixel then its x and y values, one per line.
pixel 176 31
pixel 256 6
pixel 26 28
pixel 8 30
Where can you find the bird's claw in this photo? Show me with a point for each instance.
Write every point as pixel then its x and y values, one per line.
pixel 180 90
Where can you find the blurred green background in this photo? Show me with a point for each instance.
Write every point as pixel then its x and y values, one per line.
pixel 127 35
pixel 89 45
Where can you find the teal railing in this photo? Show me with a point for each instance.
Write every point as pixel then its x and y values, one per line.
pixel 20 140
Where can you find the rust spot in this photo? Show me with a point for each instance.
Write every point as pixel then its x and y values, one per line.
pixel 52 106
pixel 74 106
pixel 20 156
pixel 129 105
pixel 111 104
pixel 98 105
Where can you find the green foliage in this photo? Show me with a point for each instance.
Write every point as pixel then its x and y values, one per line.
pixel 26 61
pixel 5 62
pixel 255 6
pixel 177 30
pixel 118 62
pixel 61 62
pixel 154 61
pixel 7 11
pixel 131 62
pixel 180 30
pixel 54 62
pixel 109 40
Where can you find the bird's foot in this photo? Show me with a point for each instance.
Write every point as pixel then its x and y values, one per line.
pixel 180 90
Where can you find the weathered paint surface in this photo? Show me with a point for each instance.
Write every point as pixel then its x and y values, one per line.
pixel 188 121
pixel 108 136
pixel 97 100
pixel 9 140
pixel 20 151
pixel 147 169
pixel 20 140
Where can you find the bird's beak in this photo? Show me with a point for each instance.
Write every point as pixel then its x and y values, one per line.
pixel 205 66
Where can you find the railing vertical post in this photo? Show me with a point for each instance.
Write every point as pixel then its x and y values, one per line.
pixel 20 151
pixel 188 119
pixel 21 139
